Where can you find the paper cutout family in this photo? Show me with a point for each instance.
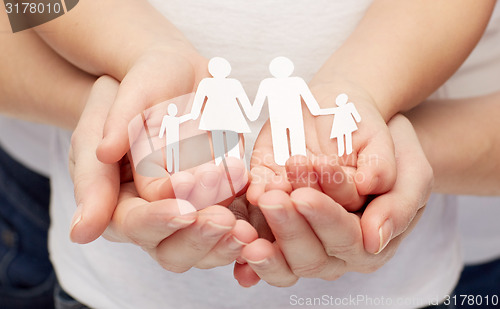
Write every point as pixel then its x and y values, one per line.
pixel 223 117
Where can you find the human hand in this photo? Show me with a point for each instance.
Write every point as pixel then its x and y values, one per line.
pixel 159 75
pixel 369 170
pixel 317 237
pixel 108 201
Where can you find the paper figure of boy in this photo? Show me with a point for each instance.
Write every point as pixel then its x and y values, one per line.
pixel 171 125
pixel 343 123
pixel 222 115
pixel 284 94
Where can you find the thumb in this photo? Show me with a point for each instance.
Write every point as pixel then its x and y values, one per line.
pixel 96 184
pixel 395 212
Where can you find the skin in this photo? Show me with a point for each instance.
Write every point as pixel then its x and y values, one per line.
pixel 204 239
pixel 305 221
pixel 393 75
pixel 29 80
pixel 461 141
pixel 166 56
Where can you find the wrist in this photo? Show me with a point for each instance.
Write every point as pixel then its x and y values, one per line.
pixel 354 84
pixel 327 88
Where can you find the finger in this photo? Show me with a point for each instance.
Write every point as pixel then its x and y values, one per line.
pixel 268 263
pixel 149 223
pixel 207 182
pixel 376 173
pixel 245 275
pixel 184 249
pixel 303 251
pixel 177 186
pixel 138 93
pixel 96 184
pixel 237 176
pixel 264 179
pixel 257 220
pixel 228 249
pixel 338 183
pixel 389 215
pixel 338 230
pixel 301 173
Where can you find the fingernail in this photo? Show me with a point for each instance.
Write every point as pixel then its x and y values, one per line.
pixel 303 207
pixel 259 263
pixel 385 235
pixel 209 180
pixel 234 243
pixel 178 223
pixel 275 213
pixel 77 217
pixel 211 229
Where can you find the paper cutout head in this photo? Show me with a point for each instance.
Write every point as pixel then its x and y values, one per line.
pixel 281 67
pixel 219 67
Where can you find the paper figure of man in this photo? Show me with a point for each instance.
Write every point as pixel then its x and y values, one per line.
pixel 284 93
pixel 343 123
pixel 222 115
pixel 171 125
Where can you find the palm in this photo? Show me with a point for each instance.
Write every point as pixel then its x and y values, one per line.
pixel 347 179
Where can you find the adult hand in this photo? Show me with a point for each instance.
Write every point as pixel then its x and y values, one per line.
pixel 170 230
pixel 317 237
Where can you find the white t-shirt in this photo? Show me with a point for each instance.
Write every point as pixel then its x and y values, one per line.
pixel 27 142
pixel 478 216
pixel 249 34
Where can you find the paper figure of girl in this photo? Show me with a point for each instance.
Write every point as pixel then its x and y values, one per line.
pixel 344 123
pixel 222 115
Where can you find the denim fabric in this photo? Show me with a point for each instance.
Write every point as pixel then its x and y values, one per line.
pixel 64 301
pixel 481 282
pixel 26 276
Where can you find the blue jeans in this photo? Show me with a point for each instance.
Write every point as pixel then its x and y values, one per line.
pixel 26 276
pixel 482 282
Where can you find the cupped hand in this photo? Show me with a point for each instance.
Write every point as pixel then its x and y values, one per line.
pixel 369 170
pixel 317 237
pixel 170 230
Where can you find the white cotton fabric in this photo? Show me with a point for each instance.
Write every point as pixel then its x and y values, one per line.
pixel 250 34
pixel 27 142
pixel 478 216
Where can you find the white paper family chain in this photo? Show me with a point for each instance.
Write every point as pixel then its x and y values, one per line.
pixel 223 117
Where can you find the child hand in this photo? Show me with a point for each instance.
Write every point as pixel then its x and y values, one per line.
pixel 370 169
pixel 163 75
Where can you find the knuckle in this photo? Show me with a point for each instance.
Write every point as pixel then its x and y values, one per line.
pixel 340 250
pixel 286 234
pixel 169 265
pixel 194 245
pixel 311 270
